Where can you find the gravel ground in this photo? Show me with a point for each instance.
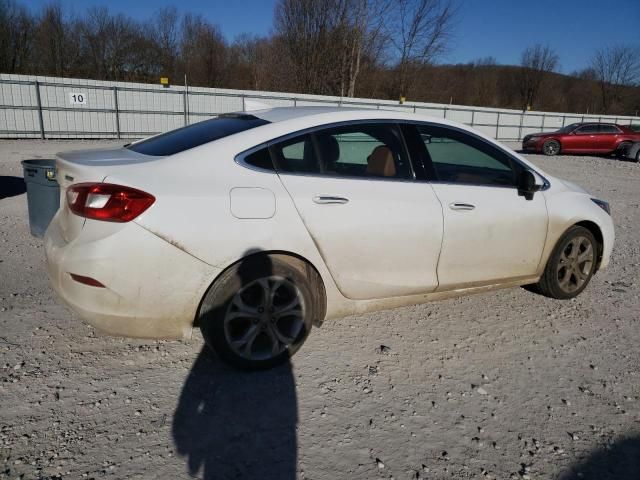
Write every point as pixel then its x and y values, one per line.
pixel 500 385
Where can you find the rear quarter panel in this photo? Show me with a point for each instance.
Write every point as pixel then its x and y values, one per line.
pixel 193 210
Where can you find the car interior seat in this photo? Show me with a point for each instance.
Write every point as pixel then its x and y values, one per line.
pixel 380 163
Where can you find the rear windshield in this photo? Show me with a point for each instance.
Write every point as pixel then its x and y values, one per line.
pixel 197 134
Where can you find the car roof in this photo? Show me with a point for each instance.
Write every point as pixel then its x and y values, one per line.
pixel 280 114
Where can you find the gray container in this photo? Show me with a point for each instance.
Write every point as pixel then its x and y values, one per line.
pixel 43 193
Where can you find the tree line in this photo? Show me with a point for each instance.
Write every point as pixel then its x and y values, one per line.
pixel 352 48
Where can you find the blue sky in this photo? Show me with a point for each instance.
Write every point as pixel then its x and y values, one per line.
pixel 498 28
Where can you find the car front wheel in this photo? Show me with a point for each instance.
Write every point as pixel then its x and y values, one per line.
pixel 551 147
pixel 571 264
pixel 260 311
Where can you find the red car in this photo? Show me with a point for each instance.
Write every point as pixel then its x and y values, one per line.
pixel 602 138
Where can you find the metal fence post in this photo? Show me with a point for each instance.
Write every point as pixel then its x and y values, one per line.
pixel 115 106
pixel 520 127
pixel 39 103
pixel 498 126
pixel 244 103
pixel 184 103
pixel 445 112
pixel 543 119
pixel 564 120
pixel 473 116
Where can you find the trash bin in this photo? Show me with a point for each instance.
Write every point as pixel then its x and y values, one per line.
pixel 43 193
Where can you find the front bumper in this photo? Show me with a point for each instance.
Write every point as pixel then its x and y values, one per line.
pixel 152 288
pixel 531 146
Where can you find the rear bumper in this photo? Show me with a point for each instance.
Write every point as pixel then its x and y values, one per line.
pixel 152 288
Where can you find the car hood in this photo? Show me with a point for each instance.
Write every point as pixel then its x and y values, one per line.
pixel 541 134
pixel 573 186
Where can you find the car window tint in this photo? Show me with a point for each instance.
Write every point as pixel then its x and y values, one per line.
pixel 260 159
pixel 197 134
pixel 296 155
pixel 363 150
pixel 587 130
pixel 609 129
pixel 461 158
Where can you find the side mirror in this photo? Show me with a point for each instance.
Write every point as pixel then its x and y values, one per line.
pixel 527 184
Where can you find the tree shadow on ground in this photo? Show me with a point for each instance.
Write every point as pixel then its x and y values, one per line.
pixel 236 424
pixel 11 186
pixel 620 461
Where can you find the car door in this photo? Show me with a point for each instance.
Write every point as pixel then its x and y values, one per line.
pixel 378 231
pixel 584 139
pixel 608 137
pixel 491 233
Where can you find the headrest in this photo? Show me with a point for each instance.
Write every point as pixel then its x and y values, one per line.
pixel 381 163
pixel 329 149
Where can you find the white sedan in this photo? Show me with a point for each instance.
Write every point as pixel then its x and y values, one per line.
pixel 256 226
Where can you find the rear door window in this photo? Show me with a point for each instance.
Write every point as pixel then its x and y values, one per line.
pixel 604 128
pixel 197 134
pixel 363 150
pixel 358 150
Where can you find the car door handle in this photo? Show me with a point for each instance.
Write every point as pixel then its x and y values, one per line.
pixel 461 206
pixel 328 200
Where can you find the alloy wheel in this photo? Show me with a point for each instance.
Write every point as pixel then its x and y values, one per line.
pixel 551 148
pixel 575 264
pixel 264 318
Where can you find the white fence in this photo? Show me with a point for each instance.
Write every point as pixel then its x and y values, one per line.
pixel 50 107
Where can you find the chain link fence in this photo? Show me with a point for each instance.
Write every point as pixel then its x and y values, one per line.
pixel 51 107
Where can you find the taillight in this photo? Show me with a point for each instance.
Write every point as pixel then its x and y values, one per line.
pixel 108 202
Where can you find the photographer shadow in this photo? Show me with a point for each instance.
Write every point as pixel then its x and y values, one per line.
pixel 11 186
pixel 235 424
pixel 620 461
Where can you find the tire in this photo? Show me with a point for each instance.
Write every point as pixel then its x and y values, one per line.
pixel 551 147
pixel 260 311
pixel 622 149
pixel 570 268
pixel 637 158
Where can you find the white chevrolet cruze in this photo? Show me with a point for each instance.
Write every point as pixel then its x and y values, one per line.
pixel 256 226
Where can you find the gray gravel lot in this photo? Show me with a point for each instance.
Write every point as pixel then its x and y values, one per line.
pixel 500 385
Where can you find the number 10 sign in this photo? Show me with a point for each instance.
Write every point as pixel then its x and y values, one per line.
pixel 77 98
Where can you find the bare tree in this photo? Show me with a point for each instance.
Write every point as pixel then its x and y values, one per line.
pixel 327 41
pixel 166 31
pixel 614 68
pixel 305 27
pixel 361 37
pixel 419 33
pixel 203 51
pixel 537 62
pixel 16 34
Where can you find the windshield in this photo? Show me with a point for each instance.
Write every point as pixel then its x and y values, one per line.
pixel 197 134
pixel 569 128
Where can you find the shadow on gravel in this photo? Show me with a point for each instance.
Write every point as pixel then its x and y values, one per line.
pixel 11 186
pixel 620 461
pixel 235 424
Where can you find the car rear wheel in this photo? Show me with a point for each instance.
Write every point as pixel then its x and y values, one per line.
pixel 571 264
pixel 551 147
pixel 260 311
pixel 623 148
